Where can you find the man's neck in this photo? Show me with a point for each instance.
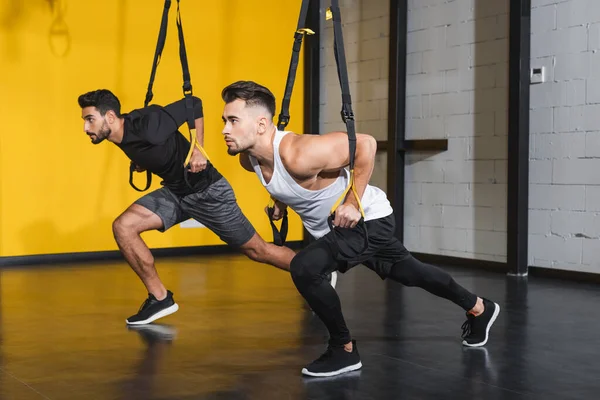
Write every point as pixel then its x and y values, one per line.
pixel 263 150
pixel 116 135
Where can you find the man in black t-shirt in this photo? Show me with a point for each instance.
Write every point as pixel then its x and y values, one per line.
pixel 150 138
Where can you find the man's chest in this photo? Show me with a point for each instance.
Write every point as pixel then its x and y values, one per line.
pixel 148 156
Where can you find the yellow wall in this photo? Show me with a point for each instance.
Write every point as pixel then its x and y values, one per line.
pixel 58 192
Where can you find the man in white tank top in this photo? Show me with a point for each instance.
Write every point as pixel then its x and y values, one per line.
pixel 307 173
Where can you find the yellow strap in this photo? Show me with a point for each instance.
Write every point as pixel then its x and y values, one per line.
pixel 343 196
pixel 204 153
pixel 194 144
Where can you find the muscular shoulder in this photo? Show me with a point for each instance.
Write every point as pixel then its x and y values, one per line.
pixel 310 155
pixel 152 123
pixel 294 151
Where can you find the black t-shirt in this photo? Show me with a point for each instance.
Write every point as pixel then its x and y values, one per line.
pixel 151 139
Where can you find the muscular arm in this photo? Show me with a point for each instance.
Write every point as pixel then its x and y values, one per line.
pixel 308 155
pixel 199 125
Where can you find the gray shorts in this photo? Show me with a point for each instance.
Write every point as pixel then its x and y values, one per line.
pixel 215 207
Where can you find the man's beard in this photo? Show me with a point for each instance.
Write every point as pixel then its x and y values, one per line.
pixel 102 134
pixel 236 149
pixel 233 152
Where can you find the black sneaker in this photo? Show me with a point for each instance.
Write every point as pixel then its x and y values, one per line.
pixel 334 361
pixel 152 309
pixel 476 329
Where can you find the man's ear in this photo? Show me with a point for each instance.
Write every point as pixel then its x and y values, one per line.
pixel 110 116
pixel 262 125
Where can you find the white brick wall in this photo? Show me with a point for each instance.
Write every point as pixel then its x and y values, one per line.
pixel 366 43
pixel 564 197
pixel 457 87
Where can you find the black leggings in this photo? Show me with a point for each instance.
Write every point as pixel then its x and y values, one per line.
pixel 386 256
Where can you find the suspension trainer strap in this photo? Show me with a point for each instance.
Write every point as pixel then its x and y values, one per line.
pixel 346 112
pixel 187 86
pixel 160 45
pixel 348 240
pixel 301 30
pixel 189 101
pixel 148 178
pixel 279 235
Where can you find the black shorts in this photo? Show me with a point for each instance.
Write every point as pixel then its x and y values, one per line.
pixel 382 252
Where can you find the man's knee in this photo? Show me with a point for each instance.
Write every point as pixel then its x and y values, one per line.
pixel 135 220
pixel 122 227
pixel 297 267
pixel 304 269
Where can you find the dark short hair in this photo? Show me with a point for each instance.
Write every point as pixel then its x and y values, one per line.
pixel 104 100
pixel 252 93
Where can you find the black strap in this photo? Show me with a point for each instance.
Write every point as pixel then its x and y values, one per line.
pixel 340 61
pixel 284 115
pixel 348 118
pixel 160 45
pixel 279 235
pixel 162 37
pixel 187 88
pixel 148 178
pixel 187 82
pixel 346 112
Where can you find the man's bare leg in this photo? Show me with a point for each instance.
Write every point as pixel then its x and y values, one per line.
pixel 279 256
pixel 127 229
pixel 258 250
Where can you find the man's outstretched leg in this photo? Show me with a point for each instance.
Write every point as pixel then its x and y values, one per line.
pixel 279 256
pixel 218 210
pixel 481 312
pixel 127 229
pixel 309 271
pixel 258 250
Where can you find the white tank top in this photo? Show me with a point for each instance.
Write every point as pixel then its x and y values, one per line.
pixel 313 206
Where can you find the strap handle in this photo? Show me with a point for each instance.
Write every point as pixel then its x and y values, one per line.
pixel 279 236
pixel 148 178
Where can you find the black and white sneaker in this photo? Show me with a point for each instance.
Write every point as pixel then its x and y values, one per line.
pixel 476 329
pixel 153 309
pixel 334 361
